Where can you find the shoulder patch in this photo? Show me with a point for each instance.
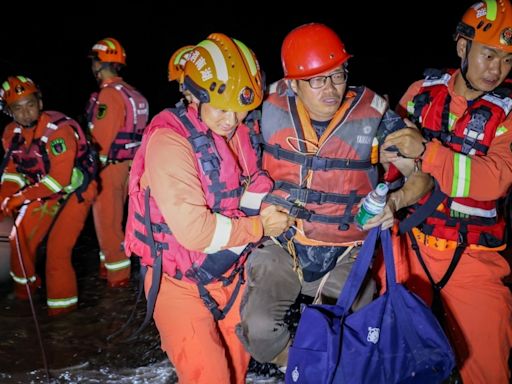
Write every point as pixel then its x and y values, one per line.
pixel 379 104
pixel 102 111
pixel 58 146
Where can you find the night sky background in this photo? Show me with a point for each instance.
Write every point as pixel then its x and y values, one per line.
pixel 392 42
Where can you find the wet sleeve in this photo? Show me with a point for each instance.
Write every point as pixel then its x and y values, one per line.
pixel 62 149
pixel 108 120
pixel 172 175
pixel 479 177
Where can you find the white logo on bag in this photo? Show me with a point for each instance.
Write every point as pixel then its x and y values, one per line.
pixel 295 374
pixel 373 335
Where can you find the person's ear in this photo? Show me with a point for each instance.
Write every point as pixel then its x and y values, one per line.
pixel 462 45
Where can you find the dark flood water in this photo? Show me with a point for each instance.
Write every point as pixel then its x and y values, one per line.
pixel 76 346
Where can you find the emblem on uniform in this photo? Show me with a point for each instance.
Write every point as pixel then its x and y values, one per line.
pixel 246 96
pixel 102 111
pixel 19 89
pixel 506 36
pixel 58 146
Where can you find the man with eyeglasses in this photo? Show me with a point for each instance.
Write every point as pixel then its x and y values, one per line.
pixel 321 149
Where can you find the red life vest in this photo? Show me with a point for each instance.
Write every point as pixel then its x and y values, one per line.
pixel 322 184
pixel 129 137
pixel 461 218
pixel 223 183
pixel 34 163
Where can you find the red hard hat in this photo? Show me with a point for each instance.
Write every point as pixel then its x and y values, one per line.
pixel 311 49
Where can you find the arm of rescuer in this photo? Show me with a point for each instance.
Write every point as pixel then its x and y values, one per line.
pixel 172 174
pixel 12 181
pixel 61 149
pixel 416 185
pixel 482 178
pixel 108 120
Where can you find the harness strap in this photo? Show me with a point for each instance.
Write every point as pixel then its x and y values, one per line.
pixel 315 163
pixel 305 214
pixel 437 304
pixel 211 304
pixel 423 211
pixel 156 254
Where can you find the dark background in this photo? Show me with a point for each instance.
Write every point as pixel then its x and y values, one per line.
pixel 392 42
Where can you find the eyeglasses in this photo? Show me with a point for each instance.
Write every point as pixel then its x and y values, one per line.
pixel 337 78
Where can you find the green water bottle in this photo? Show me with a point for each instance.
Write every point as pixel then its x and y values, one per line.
pixel 373 204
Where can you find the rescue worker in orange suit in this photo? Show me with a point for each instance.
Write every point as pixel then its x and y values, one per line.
pixel 194 197
pixel 321 142
pixel 118 115
pixel 454 236
pixel 47 185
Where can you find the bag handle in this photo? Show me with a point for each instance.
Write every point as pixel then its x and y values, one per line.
pixel 358 273
pixel 402 316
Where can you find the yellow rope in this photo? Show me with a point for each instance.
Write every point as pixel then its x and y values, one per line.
pixel 296 265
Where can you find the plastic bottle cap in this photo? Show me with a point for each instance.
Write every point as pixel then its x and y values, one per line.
pixel 382 189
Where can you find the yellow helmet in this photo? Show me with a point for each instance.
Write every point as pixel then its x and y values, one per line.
pixel 225 73
pixel 488 22
pixel 177 62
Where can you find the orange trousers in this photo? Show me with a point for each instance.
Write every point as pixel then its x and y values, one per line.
pixel 61 286
pixel 202 350
pixel 63 226
pixel 33 222
pixel 477 303
pixel 108 210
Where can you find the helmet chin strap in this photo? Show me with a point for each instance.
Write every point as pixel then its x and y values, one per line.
pixel 32 124
pixel 464 69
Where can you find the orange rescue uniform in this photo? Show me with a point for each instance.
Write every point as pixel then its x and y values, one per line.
pixel 45 208
pixel 479 305
pixel 108 208
pixel 179 306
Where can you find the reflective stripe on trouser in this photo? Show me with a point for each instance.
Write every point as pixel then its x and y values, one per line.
pixel 272 287
pixel 478 307
pixel 32 230
pixel 202 350
pixel 61 285
pixel 108 210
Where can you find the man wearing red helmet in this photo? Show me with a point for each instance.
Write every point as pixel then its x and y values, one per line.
pixel 321 142
pixel 194 211
pixel 455 234
pixel 117 117
pixel 48 185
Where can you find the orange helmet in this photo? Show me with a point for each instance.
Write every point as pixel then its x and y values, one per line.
pixel 177 62
pixel 109 50
pixel 225 73
pixel 488 22
pixel 311 49
pixel 16 88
